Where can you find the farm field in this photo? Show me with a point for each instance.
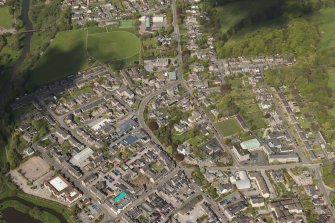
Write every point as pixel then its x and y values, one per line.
pixel 72 51
pixel 228 127
pixel 6 19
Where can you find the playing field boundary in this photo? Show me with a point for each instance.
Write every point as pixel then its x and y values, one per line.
pixel 111 31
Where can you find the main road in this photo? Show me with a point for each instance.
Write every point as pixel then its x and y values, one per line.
pixel 154 94
pixel 189 90
pixel 145 102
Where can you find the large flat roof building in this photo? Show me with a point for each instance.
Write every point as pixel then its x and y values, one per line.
pixel 62 189
pixel 80 157
pixel 250 145
pixel 241 180
pixel 58 183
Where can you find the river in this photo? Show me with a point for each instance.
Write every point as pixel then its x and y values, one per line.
pixel 11 215
pixel 5 87
pixel 26 47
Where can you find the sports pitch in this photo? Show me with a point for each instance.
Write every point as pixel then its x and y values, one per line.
pixel 70 52
pixel 113 46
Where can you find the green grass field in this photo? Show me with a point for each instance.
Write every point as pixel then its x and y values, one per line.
pixel 325 21
pixel 6 19
pixel 331 80
pixel 328 175
pixel 70 51
pixel 228 127
pixel 126 24
pixel 40 215
pixel 65 55
pixel 113 46
pixel 332 197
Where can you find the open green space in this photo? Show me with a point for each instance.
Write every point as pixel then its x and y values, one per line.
pixel 43 216
pixel 6 19
pixel 331 80
pixel 66 55
pixel 71 51
pixel 328 174
pixel 126 24
pixel 332 197
pixel 325 21
pixel 113 46
pixel 228 127
pixel 240 100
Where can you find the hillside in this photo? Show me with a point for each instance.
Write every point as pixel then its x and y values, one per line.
pixel 304 29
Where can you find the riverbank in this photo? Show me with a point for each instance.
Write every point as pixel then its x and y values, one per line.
pixel 14 204
pixel 43 210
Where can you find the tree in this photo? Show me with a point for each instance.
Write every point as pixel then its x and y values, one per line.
pixel 91 23
pixel 225 88
pixel 152 124
pixel 118 65
pixel 228 141
pixel 179 157
pixel 169 150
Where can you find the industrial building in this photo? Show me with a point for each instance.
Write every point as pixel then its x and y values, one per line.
pixel 79 158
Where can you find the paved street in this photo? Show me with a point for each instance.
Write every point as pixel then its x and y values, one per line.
pixel 324 191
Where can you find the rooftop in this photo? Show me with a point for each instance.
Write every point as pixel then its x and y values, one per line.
pixel 58 183
pixel 250 144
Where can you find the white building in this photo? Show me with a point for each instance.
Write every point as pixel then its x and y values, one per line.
pixel 241 180
pixel 62 189
pixel 79 158
pixel 251 145
pixel 97 124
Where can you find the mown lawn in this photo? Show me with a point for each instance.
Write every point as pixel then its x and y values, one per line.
pixel 70 51
pixel 66 55
pixel 6 19
pixel 331 80
pixel 113 46
pixel 130 23
pixel 228 127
